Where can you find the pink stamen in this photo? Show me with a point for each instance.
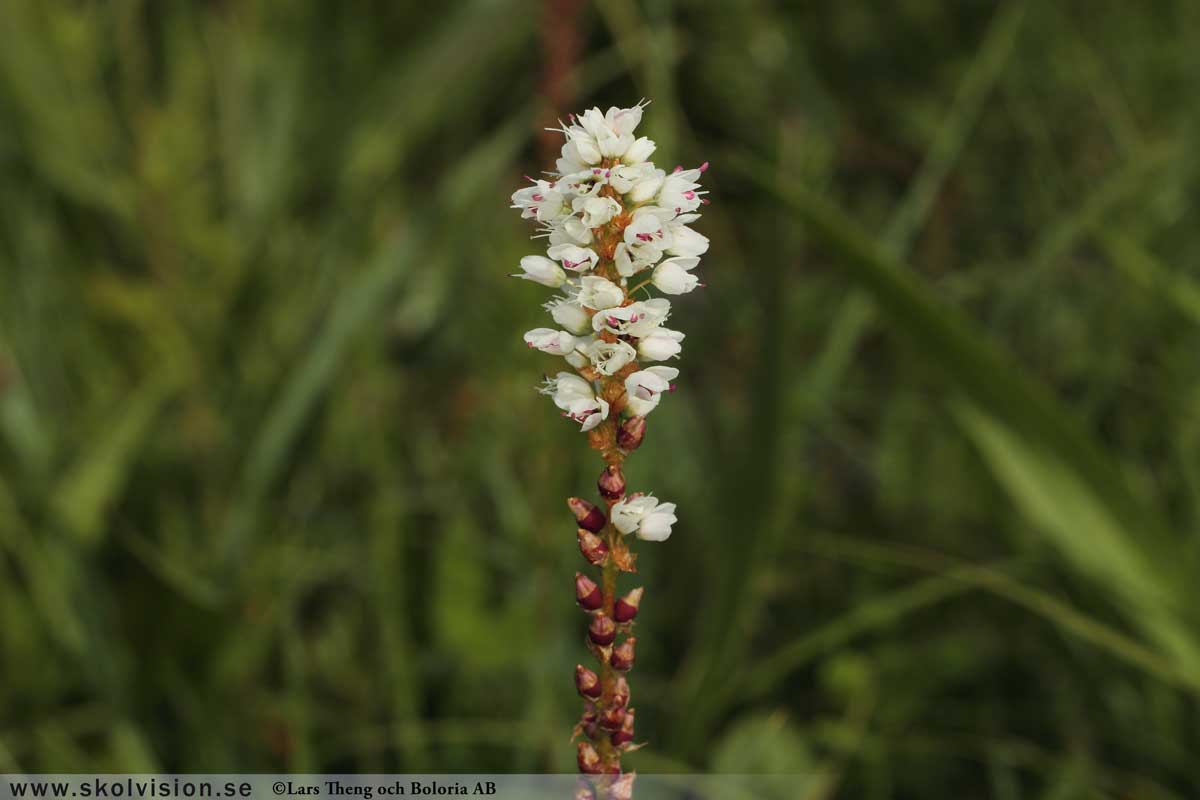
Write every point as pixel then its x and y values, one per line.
pixel 671 389
pixel 538 197
pixel 704 167
pixel 688 195
pixel 678 168
pixel 644 237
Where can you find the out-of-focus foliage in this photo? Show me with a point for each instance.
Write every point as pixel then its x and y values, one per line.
pixel 277 494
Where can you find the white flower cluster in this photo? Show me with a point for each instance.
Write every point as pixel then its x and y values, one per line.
pixel 610 215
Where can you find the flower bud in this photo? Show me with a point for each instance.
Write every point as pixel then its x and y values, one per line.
pixel 625 734
pixel 622 787
pixel 603 630
pixel 631 433
pixel 588 722
pixel 592 546
pixel 626 608
pixel 589 516
pixel 587 682
pixel 612 718
pixel 611 483
pixel 587 593
pixel 623 655
pixel 588 759
pixel 620 694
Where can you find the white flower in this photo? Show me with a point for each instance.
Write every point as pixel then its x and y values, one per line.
pixel 576 398
pixel 597 211
pixel 588 413
pixel 643 514
pixel 586 182
pixel 569 314
pixel 597 292
pixel 542 201
pixel 548 340
pixel 647 227
pixel 541 270
pixel 638 182
pixel 570 230
pixel 679 191
pixel 661 344
pixel 654 313
pixel 644 389
pixel 645 239
pixel 673 276
pixel 608 357
pixel 635 319
pixel 639 151
pixel 574 257
pixel 683 240
pixel 565 388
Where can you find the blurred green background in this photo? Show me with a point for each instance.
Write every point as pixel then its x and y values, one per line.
pixel 277 492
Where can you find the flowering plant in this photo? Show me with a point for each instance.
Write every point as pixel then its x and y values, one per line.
pixel 616 226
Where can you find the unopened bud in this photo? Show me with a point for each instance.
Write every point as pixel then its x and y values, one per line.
pixel 588 515
pixel 631 433
pixel 622 787
pixel 611 718
pixel 626 608
pixel 588 759
pixel 587 682
pixel 625 735
pixel 611 482
pixel 587 593
pixel 620 694
pixel 592 546
pixel 603 630
pixel 623 655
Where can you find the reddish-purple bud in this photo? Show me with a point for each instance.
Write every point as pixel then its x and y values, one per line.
pixel 620 694
pixel 631 433
pixel 592 546
pixel 625 735
pixel 623 655
pixel 587 593
pixel 622 787
pixel 603 630
pixel 626 608
pixel 611 718
pixel 587 682
pixel 611 482
pixel 588 516
pixel 588 759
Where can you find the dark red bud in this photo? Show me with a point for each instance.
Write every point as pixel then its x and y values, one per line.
pixel 586 514
pixel 626 608
pixel 611 719
pixel 592 546
pixel 620 695
pixel 622 787
pixel 625 735
pixel 587 682
pixel 587 593
pixel 603 630
pixel 588 759
pixel 611 482
pixel 631 433
pixel 623 655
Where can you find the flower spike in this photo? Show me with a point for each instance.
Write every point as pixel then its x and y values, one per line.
pixel 617 228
